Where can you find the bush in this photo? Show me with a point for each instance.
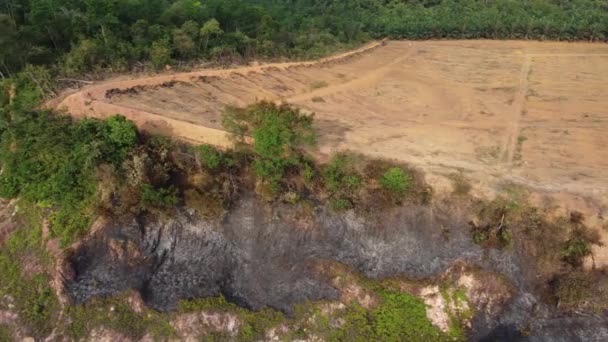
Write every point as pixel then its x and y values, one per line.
pixel 396 181
pixel 341 204
pixel 210 157
pixel 122 133
pixel 158 197
pixel 280 135
pixel 207 204
pixel 52 160
pixel 340 176
pixel 399 317
pixel 575 249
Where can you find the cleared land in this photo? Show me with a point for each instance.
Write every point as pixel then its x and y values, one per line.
pixel 531 112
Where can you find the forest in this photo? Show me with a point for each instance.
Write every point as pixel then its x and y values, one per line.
pixel 75 37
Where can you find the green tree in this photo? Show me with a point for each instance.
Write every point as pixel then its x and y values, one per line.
pixel 122 132
pixel 280 134
pixel 210 29
pixel 183 43
pixel 160 53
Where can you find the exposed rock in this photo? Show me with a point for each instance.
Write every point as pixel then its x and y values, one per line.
pixel 191 326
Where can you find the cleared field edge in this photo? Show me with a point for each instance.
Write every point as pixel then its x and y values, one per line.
pixel 91 101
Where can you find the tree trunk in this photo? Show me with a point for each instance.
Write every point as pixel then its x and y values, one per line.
pixel 8 72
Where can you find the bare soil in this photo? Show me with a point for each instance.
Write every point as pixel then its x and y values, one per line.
pixel 531 113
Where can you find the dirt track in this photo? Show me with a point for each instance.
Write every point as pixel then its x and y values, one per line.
pixel 530 112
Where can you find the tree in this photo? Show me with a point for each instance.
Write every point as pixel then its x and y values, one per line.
pixel 8 44
pixel 83 57
pixel 183 43
pixel 280 134
pixel 121 132
pixel 210 29
pixel 160 53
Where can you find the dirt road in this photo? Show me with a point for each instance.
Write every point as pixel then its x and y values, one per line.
pixel 92 101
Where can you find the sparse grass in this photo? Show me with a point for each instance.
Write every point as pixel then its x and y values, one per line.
pixel 115 314
pixel 460 185
pixel 6 333
pixel 254 323
pixel 575 249
pixel 494 226
pixel 318 84
pixel 487 154
pixel 457 309
pixel 521 139
pixel 35 301
pixel 581 290
pixel 207 204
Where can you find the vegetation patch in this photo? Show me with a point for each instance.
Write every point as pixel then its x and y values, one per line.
pixel 399 316
pixel 396 180
pixel 115 314
pixel 460 185
pixel 280 135
pixel 6 333
pixel 36 303
pixel 255 324
pixel 51 161
pixel 318 84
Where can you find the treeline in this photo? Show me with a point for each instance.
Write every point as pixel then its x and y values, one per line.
pixel 81 36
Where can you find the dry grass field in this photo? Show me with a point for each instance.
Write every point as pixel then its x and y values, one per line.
pixel 534 113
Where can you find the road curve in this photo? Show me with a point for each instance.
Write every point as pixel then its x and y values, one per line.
pixel 91 101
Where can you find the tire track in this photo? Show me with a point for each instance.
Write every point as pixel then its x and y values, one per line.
pixel 361 82
pixel 90 101
pixel 510 143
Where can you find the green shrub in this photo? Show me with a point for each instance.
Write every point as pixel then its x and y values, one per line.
pixel 341 204
pixel 280 134
pixel 399 317
pixel 210 157
pixel 158 197
pixel 340 176
pixel 396 180
pixel 308 173
pixel 122 133
pixel 575 249
pixel 35 301
pixel 52 161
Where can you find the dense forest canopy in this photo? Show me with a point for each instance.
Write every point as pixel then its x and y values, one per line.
pixel 80 36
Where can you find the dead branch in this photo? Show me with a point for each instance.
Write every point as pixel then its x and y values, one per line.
pixel 502 221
